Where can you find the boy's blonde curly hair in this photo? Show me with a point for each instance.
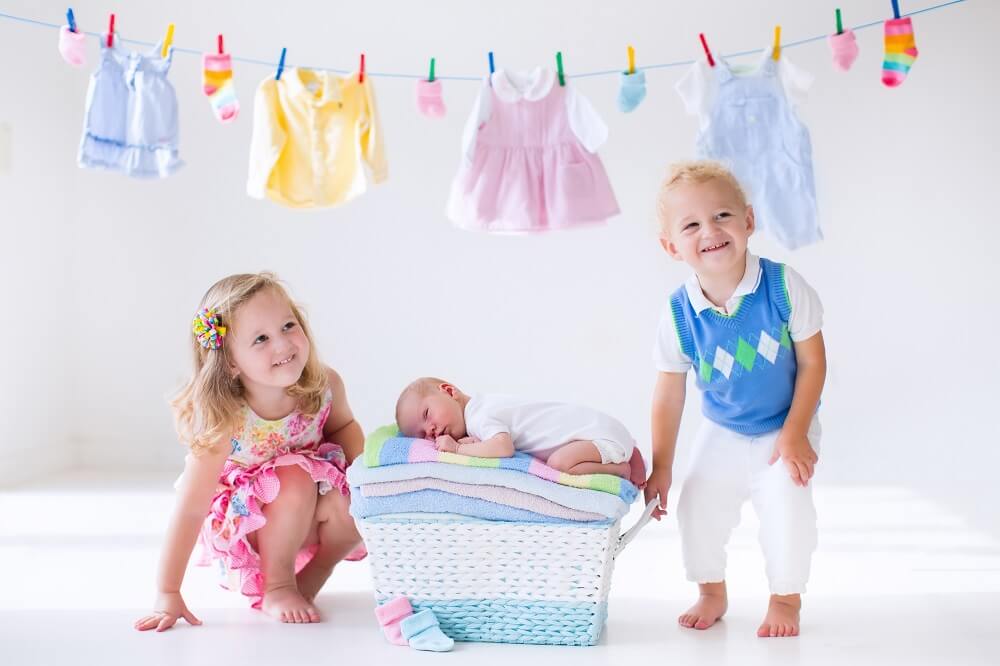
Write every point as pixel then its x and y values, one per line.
pixel 693 171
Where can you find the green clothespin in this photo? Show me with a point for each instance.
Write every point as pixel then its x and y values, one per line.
pixel 430 77
pixel 559 69
pixel 840 24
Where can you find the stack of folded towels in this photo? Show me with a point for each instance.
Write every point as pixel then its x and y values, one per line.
pixel 402 475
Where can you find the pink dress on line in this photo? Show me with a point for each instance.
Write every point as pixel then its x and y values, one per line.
pixel 530 162
pixel 248 482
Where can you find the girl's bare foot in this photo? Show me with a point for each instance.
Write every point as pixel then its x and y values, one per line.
pixel 782 617
pixel 312 578
pixel 709 608
pixel 286 604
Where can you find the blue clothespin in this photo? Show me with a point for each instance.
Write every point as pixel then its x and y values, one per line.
pixel 895 8
pixel 71 20
pixel 491 68
pixel 281 64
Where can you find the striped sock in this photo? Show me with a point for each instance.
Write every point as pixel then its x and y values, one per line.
pixel 218 85
pixel 900 51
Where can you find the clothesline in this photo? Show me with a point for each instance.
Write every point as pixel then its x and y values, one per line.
pixel 395 75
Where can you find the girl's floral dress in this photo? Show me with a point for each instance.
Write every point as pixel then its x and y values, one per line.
pixel 248 482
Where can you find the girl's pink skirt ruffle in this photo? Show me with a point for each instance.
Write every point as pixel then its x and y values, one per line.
pixel 236 512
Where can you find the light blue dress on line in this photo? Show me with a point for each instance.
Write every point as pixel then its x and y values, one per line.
pixel 130 122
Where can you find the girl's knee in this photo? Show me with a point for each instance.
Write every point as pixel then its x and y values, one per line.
pixel 295 480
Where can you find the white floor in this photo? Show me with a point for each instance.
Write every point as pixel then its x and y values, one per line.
pixel 898 579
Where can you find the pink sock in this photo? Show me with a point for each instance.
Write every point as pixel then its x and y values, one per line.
pixel 429 100
pixel 845 49
pixel 390 614
pixel 72 46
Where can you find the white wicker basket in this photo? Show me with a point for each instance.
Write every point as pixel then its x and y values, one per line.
pixel 500 582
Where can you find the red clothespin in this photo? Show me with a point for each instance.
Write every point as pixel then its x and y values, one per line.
pixel 361 71
pixel 221 50
pixel 111 31
pixel 704 45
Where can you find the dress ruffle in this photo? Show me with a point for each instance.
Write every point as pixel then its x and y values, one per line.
pixel 237 511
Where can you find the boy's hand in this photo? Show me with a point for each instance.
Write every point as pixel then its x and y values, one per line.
pixel 658 485
pixel 446 443
pixel 170 607
pixel 798 455
pixel 468 439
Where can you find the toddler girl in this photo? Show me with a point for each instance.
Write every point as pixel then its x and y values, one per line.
pixel 263 487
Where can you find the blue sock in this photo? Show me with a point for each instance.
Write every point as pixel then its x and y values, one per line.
pixel 632 90
pixel 422 632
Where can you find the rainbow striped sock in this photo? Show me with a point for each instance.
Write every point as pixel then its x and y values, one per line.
pixel 900 51
pixel 218 85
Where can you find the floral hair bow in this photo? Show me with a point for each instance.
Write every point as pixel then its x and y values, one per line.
pixel 208 329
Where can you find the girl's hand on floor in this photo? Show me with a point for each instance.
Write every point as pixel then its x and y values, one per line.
pixel 797 454
pixel 658 485
pixel 170 608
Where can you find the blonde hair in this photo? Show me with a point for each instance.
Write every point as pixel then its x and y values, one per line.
pixel 207 410
pixel 694 171
pixel 418 388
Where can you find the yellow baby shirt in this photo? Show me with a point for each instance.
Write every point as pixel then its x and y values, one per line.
pixel 310 132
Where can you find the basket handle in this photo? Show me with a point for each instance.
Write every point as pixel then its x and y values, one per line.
pixel 631 532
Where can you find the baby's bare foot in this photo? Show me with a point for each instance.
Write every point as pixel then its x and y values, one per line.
pixel 286 604
pixel 782 617
pixel 637 470
pixel 709 608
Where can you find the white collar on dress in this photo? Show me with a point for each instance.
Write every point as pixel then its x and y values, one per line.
pixel 748 285
pixel 532 85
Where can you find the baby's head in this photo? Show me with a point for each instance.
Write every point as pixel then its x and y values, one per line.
pixel 248 336
pixel 705 220
pixel 429 407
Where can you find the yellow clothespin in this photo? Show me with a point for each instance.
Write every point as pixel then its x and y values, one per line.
pixel 631 60
pixel 776 53
pixel 167 41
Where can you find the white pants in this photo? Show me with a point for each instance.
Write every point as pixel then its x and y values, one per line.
pixel 728 468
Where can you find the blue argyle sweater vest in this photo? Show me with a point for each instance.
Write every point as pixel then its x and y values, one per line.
pixel 744 361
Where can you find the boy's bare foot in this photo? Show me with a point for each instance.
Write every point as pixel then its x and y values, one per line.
pixel 709 608
pixel 782 617
pixel 286 604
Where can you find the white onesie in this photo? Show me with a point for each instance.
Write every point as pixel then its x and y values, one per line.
pixel 539 428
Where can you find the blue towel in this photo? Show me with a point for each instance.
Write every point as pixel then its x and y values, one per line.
pixel 592 501
pixel 437 501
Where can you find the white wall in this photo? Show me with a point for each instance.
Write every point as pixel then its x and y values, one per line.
pixel 908 271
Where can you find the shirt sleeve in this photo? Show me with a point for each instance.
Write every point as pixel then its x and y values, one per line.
pixel 667 354
pixel 697 89
pixel 482 425
pixel 371 136
pixel 267 139
pixel 807 310
pixel 584 121
pixel 795 81
pixel 482 109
